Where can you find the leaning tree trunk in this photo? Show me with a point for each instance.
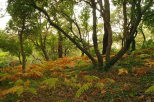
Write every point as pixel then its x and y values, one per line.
pixel 64 33
pixel 126 47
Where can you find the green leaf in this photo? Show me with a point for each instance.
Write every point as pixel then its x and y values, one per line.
pixel 99 85
pixel 110 80
pixel 31 90
pixel 20 91
pixel 19 82
pixel 150 89
pixel 84 88
pixel 50 82
pixel 91 78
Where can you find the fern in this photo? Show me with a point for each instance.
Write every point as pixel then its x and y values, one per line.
pixel 109 80
pixel 99 85
pixel 20 90
pixel 9 77
pixel 15 89
pixel 31 90
pixel 84 88
pixel 91 78
pixel 3 74
pixel 150 89
pixel 71 84
pixel 35 74
pixel 19 82
pixel 51 83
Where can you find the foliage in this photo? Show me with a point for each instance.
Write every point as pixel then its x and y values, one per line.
pixel 148 44
pixel 84 88
pixel 51 82
pixel 4 59
pixel 19 88
pixel 91 78
pixel 150 89
pixel 93 82
pixel 99 85
pixel 75 78
pixel 11 44
pixel 51 28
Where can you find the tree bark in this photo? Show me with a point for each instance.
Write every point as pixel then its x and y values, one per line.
pixel 125 31
pixel 60 45
pixel 19 57
pixel 45 53
pixel 22 49
pixel 141 29
pixel 105 40
pixel 133 45
pixel 106 18
pixel 98 54
pixel 127 44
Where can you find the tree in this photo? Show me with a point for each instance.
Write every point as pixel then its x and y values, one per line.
pixel 10 43
pixel 38 34
pixel 135 16
pixel 133 12
pixel 19 25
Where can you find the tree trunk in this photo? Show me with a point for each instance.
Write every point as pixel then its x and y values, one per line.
pixel 60 45
pixel 141 29
pixel 66 34
pixel 82 54
pixel 22 52
pixel 45 53
pixel 108 27
pixel 118 55
pixel 126 47
pixel 134 42
pixel 19 57
pixel 21 40
pixel 105 40
pixel 65 52
pixel 98 54
pixel 133 45
pixel 125 28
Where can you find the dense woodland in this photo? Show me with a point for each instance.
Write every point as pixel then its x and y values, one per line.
pixel 77 51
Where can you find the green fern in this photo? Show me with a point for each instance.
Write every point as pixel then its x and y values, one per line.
pixel 91 78
pixel 84 88
pixel 71 84
pixel 110 80
pixel 3 74
pixel 150 89
pixel 51 82
pixel 31 90
pixel 20 91
pixel 19 82
pixel 99 85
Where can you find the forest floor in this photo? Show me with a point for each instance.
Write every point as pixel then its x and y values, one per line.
pixel 75 80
